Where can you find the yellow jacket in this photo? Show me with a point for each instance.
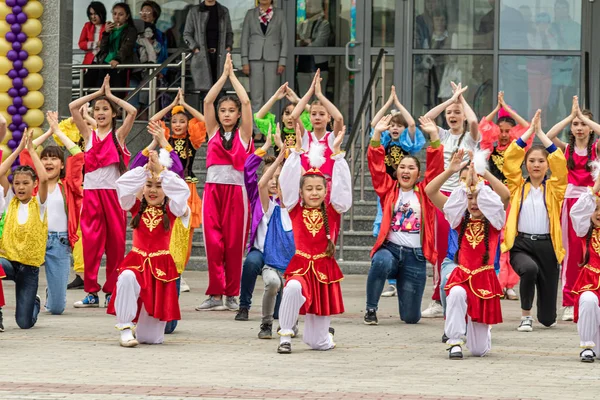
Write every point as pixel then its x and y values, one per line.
pixel 554 188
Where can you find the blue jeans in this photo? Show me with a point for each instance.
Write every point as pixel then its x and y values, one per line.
pixel 447 267
pixel 407 266
pixel 26 286
pixel 171 325
pixel 252 269
pixel 58 264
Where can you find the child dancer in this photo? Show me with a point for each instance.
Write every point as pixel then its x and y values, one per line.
pixel 473 291
pixel 457 111
pixel 313 276
pixel 146 290
pixel 102 219
pixel 64 208
pixel 185 137
pixel 401 139
pixel 25 232
pixel 225 209
pixel 533 233
pixel 579 152
pixel 265 120
pixel 407 235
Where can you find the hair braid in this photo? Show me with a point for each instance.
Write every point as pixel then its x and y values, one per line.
pixel 461 234
pixel 460 139
pixel 486 235
pixel 590 144
pixel 122 166
pixel 135 221
pixel 570 161
pixel 165 218
pixel 330 252
pixel 588 239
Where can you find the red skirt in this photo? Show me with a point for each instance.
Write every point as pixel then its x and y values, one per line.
pixel 156 274
pixel 320 280
pixel 483 293
pixel 2 275
pixel 587 281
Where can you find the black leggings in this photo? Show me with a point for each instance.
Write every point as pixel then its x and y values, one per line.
pixel 536 264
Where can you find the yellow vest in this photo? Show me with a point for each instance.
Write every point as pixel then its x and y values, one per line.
pixel 180 242
pixel 25 243
pixel 555 188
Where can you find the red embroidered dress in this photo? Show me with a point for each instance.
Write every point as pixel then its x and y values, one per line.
pixel 589 274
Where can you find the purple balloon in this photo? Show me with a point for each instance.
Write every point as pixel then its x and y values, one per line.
pixel 12 144
pixel 17 135
pixel 18 64
pixel 17 46
pixel 21 2
pixel 23 91
pixel 12 92
pixel 12 127
pixel 23 55
pixel 12 55
pixel 22 110
pixel 11 37
pixel 11 3
pixel 17 83
pixel 14 167
pixel 11 19
pixel 12 110
pixel 17 119
pixel 17 102
pixel 12 74
pixel 16 28
pixel 23 72
pixel 17 9
pixel 22 127
pixel 21 17
pixel 21 37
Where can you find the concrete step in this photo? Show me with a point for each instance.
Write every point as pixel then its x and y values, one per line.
pixel 358 238
pixel 366 207
pixel 356 253
pixel 359 223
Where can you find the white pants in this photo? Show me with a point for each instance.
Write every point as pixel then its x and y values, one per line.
pixel 479 336
pixel 149 329
pixel 316 328
pixel 588 322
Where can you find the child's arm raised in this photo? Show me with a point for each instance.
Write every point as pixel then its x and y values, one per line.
pixel 382 111
pixel 161 114
pixel 558 128
pixel 39 169
pixel 410 121
pixel 291 173
pixel 437 110
pixel 78 118
pixel 130 109
pixel 247 120
pixel 5 166
pixel 432 190
pixel 279 94
pixel 338 118
pixel 341 180
pixel 303 103
pixel 211 96
pixel 263 184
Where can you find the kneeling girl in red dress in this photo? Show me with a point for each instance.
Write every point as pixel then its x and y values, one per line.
pixel 146 289
pixel 473 292
pixel 313 275
pixel 585 216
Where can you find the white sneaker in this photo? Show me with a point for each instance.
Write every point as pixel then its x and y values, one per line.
pixel 434 310
pixel 183 286
pixel 526 324
pixel 212 304
pixel 568 313
pixel 511 294
pixel 391 291
pixel 127 339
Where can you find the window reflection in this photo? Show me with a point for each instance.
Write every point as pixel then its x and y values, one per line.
pixel 382 23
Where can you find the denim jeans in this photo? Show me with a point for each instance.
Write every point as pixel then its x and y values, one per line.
pixel 171 325
pixel 26 286
pixel 58 265
pixel 407 266
pixel 447 267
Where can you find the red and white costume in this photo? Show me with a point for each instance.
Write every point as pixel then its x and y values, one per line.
pixel 103 222
pixel 586 289
pixel 327 140
pixel 225 214
pixel 313 278
pixel 146 289
pixel 473 289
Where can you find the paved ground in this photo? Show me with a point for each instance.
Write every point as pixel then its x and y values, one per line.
pixel 76 356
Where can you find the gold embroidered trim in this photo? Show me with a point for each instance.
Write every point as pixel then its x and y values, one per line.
pixel 475 271
pixel 593 269
pixel 474 233
pixel 152 217
pixel 321 277
pixel 596 240
pixel 313 220
pixel 310 256
pixel 154 254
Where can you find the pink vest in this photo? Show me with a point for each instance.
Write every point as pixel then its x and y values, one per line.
pixel 103 153
pixel 326 168
pixel 216 154
pixel 578 176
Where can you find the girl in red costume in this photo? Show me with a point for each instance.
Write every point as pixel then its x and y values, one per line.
pixel 478 214
pixel 225 208
pixel 103 222
pixel 313 275
pixel 146 289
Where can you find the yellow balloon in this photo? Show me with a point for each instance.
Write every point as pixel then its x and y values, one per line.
pixel 32 27
pixel 34 118
pixel 5 101
pixel 5 151
pixel 5 83
pixel 5 65
pixel 33 64
pixel 4 27
pixel 37 132
pixel 33 46
pixel 7 137
pixel 32 82
pixel 33 100
pixel 33 9
pixel 7 117
pixel 4 10
pixel 5 47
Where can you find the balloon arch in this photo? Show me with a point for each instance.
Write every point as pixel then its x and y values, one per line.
pixel 20 64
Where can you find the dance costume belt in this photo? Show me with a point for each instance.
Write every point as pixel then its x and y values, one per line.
pixel 545 236
pixel 482 281
pixel 475 271
pixel 326 271
pixel 165 271
pixel 224 174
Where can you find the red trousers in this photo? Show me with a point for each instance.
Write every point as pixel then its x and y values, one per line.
pixel 575 249
pixel 442 232
pixel 225 220
pixel 103 224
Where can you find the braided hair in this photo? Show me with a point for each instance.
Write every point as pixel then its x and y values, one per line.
pixel 590 143
pixel 330 251
pixel 588 239
pixel 135 221
pixel 486 231
pixel 228 144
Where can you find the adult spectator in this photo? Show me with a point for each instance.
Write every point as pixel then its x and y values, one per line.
pixel 209 35
pixel 264 50
pixel 89 40
pixel 314 31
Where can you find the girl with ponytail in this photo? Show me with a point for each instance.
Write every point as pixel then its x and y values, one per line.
pixel 103 222
pixel 146 290
pixel 478 213
pixel 313 275
pixel 580 151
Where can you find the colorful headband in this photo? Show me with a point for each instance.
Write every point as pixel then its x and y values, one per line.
pixel 178 110
pixel 316 159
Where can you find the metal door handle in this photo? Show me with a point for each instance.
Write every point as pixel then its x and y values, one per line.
pixel 347 57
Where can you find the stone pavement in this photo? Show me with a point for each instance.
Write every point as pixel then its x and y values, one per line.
pixel 210 356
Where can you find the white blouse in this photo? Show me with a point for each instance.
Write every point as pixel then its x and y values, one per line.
pixel 488 201
pixel 533 218
pixel 582 212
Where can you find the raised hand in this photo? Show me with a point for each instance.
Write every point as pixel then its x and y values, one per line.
pixel 428 125
pixel 458 90
pixel 339 138
pixel 52 118
pixel 281 92
pixel 29 141
pixel 291 95
pixel 228 67
pixel 278 142
pixel 318 90
pixel 299 133
pixel 383 124
pixel 575 107
pixel 457 163
pixel 106 86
